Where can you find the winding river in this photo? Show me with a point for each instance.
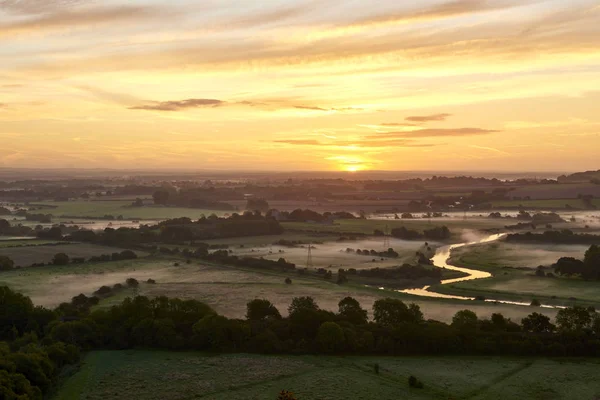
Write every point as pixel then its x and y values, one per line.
pixel 440 260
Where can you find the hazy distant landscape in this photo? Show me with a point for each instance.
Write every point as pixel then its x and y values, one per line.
pixel 526 269
pixel 299 200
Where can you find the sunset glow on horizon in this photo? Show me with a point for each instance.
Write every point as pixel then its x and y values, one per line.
pixel 452 85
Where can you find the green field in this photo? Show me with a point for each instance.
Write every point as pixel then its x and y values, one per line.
pixel 26 242
pixel 226 289
pixel 544 204
pixel 188 375
pixel 27 255
pixel 457 226
pixel 100 208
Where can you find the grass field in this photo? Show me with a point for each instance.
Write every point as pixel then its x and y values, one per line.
pixel 162 375
pixel 50 285
pixel 500 254
pixel 333 255
pixel 226 289
pixel 544 204
pixel 26 256
pixel 25 242
pixel 99 208
pixel 458 226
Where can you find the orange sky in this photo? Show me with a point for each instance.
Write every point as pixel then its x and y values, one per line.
pixel 300 85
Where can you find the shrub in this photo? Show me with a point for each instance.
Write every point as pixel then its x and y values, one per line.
pixel 132 282
pixel 415 383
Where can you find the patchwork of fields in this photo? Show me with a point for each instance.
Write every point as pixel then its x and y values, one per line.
pixel 162 375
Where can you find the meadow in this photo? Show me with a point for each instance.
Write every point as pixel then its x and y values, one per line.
pixel 546 204
pixel 100 208
pixel 226 289
pixel 27 255
pixel 163 375
pixel 459 227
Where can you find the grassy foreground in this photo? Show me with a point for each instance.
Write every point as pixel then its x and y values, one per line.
pixel 169 376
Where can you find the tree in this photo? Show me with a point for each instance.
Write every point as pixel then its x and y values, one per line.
pixel 60 259
pixel 132 282
pixel 257 205
pixel 6 264
pixel 537 323
pixel 465 321
pixel 161 197
pixel 288 281
pixel 330 337
pixel 302 304
pixel 260 310
pixel 573 319
pixel 349 308
pixel 592 261
pixel 393 311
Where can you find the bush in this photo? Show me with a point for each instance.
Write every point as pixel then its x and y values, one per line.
pixel 415 383
pixel 535 303
pixel 131 282
pixel 151 281
pixel 61 259
pixel 288 281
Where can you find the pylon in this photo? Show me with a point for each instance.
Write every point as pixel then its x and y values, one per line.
pixel 309 260
pixel 386 238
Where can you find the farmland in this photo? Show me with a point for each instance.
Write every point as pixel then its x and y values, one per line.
pixel 25 256
pixel 544 204
pixel 166 375
pixel 100 208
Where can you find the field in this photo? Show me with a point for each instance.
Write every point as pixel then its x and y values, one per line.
pixel 100 208
pixel 513 268
pixel 497 255
pixel 169 376
pixel 333 255
pixel 25 242
pixel 544 204
pixel 226 289
pixel 27 255
pixel 459 227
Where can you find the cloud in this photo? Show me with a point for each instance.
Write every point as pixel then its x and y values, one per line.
pixel 82 18
pixel 492 149
pixel 428 118
pixel 266 18
pixel 179 105
pixel 38 6
pixel 356 143
pixel 439 11
pixel 311 108
pixel 440 132
pixel 300 142
pixel 397 124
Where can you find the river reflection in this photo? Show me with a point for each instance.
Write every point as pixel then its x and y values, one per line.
pixel 440 260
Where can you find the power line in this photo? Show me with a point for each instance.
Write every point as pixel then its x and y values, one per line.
pixel 309 260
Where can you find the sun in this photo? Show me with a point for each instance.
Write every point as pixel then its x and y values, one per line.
pixel 354 167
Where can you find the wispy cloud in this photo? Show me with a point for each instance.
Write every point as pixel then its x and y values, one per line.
pixel 179 105
pixel 439 132
pixel 492 149
pixel 428 118
pixel 78 18
pixel 361 142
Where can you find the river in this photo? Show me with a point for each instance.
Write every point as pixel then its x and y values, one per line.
pixel 440 260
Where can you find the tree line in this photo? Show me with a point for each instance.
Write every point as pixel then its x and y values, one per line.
pixel 36 343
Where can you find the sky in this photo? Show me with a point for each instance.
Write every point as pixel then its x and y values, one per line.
pixel 324 85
